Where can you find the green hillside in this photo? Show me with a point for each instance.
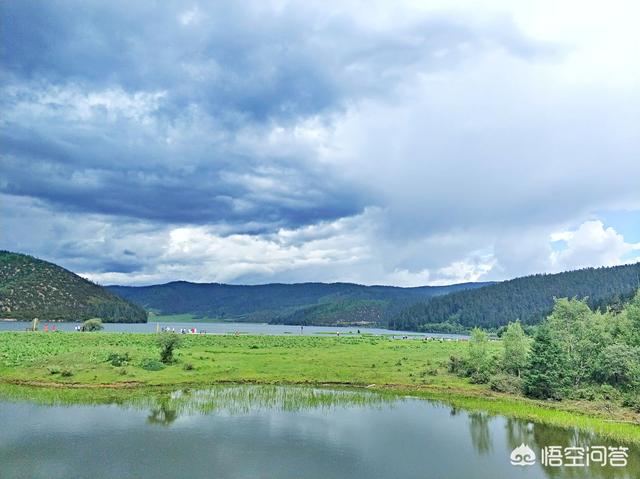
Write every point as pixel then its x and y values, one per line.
pixel 528 299
pixel 32 288
pixel 303 303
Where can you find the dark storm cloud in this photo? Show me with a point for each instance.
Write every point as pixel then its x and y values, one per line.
pixel 245 56
pixel 94 94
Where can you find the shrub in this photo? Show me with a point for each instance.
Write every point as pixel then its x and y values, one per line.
pixel 595 392
pixel 480 376
pixel 150 364
pixel 608 392
pixel 505 383
pixel 188 367
pixel 586 393
pixel 167 343
pixel 94 324
pixel 632 401
pixel 458 365
pixel 66 373
pixel 117 359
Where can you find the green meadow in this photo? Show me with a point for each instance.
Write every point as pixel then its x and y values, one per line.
pixel 113 363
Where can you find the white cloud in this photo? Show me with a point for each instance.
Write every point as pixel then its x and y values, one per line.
pixel 593 244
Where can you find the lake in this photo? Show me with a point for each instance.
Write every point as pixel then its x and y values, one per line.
pixel 272 432
pixel 226 328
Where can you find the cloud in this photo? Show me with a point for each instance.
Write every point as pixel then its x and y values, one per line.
pixel 168 119
pixel 281 141
pixel 591 244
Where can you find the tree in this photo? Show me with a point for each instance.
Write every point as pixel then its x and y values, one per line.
pixel 544 376
pixel 167 343
pixel 633 316
pixel 479 361
pixel 619 365
pixel 515 349
pixel 579 335
pixel 94 324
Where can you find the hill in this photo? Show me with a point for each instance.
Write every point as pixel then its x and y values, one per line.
pixel 302 303
pixel 32 288
pixel 528 299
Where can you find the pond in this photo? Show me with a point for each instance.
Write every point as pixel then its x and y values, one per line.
pixel 272 432
pixel 227 328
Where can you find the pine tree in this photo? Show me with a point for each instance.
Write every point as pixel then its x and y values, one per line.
pixel 545 374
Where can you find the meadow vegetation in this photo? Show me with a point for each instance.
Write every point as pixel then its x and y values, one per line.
pixel 72 362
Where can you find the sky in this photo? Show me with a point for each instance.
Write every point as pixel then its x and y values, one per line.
pixel 402 143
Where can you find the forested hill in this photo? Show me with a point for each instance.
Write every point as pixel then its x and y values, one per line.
pixel 32 288
pixel 303 303
pixel 528 299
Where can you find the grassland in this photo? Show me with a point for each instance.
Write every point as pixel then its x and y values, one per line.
pixel 80 361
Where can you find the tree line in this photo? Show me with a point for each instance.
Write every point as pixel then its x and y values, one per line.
pixel 528 299
pixel 576 353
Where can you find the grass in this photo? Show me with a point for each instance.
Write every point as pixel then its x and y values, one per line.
pixel 75 361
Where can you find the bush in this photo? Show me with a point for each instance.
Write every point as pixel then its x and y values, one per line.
pixel 150 364
pixel 117 359
pixel 608 392
pixel 167 343
pixel 595 392
pixel 188 367
pixel 480 376
pixel 505 383
pixel 458 365
pixel 585 393
pixel 66 373
pixel 94 324
pixel 632 401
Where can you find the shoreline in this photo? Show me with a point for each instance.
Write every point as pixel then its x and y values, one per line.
pixel 568 414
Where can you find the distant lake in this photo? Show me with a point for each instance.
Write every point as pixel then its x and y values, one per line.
pixel 225 328
pixel 276 432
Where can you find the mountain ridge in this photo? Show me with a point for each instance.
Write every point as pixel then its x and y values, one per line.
pixel 527 298
pixel 33 288
pixel 294 303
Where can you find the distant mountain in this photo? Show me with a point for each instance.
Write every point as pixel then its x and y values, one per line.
pixel 32 288
pixel 303 303
pixel 528 299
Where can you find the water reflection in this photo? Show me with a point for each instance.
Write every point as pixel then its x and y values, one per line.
pixel 165 407
pixel 328 432
pixel 480 432
pixel 538 436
